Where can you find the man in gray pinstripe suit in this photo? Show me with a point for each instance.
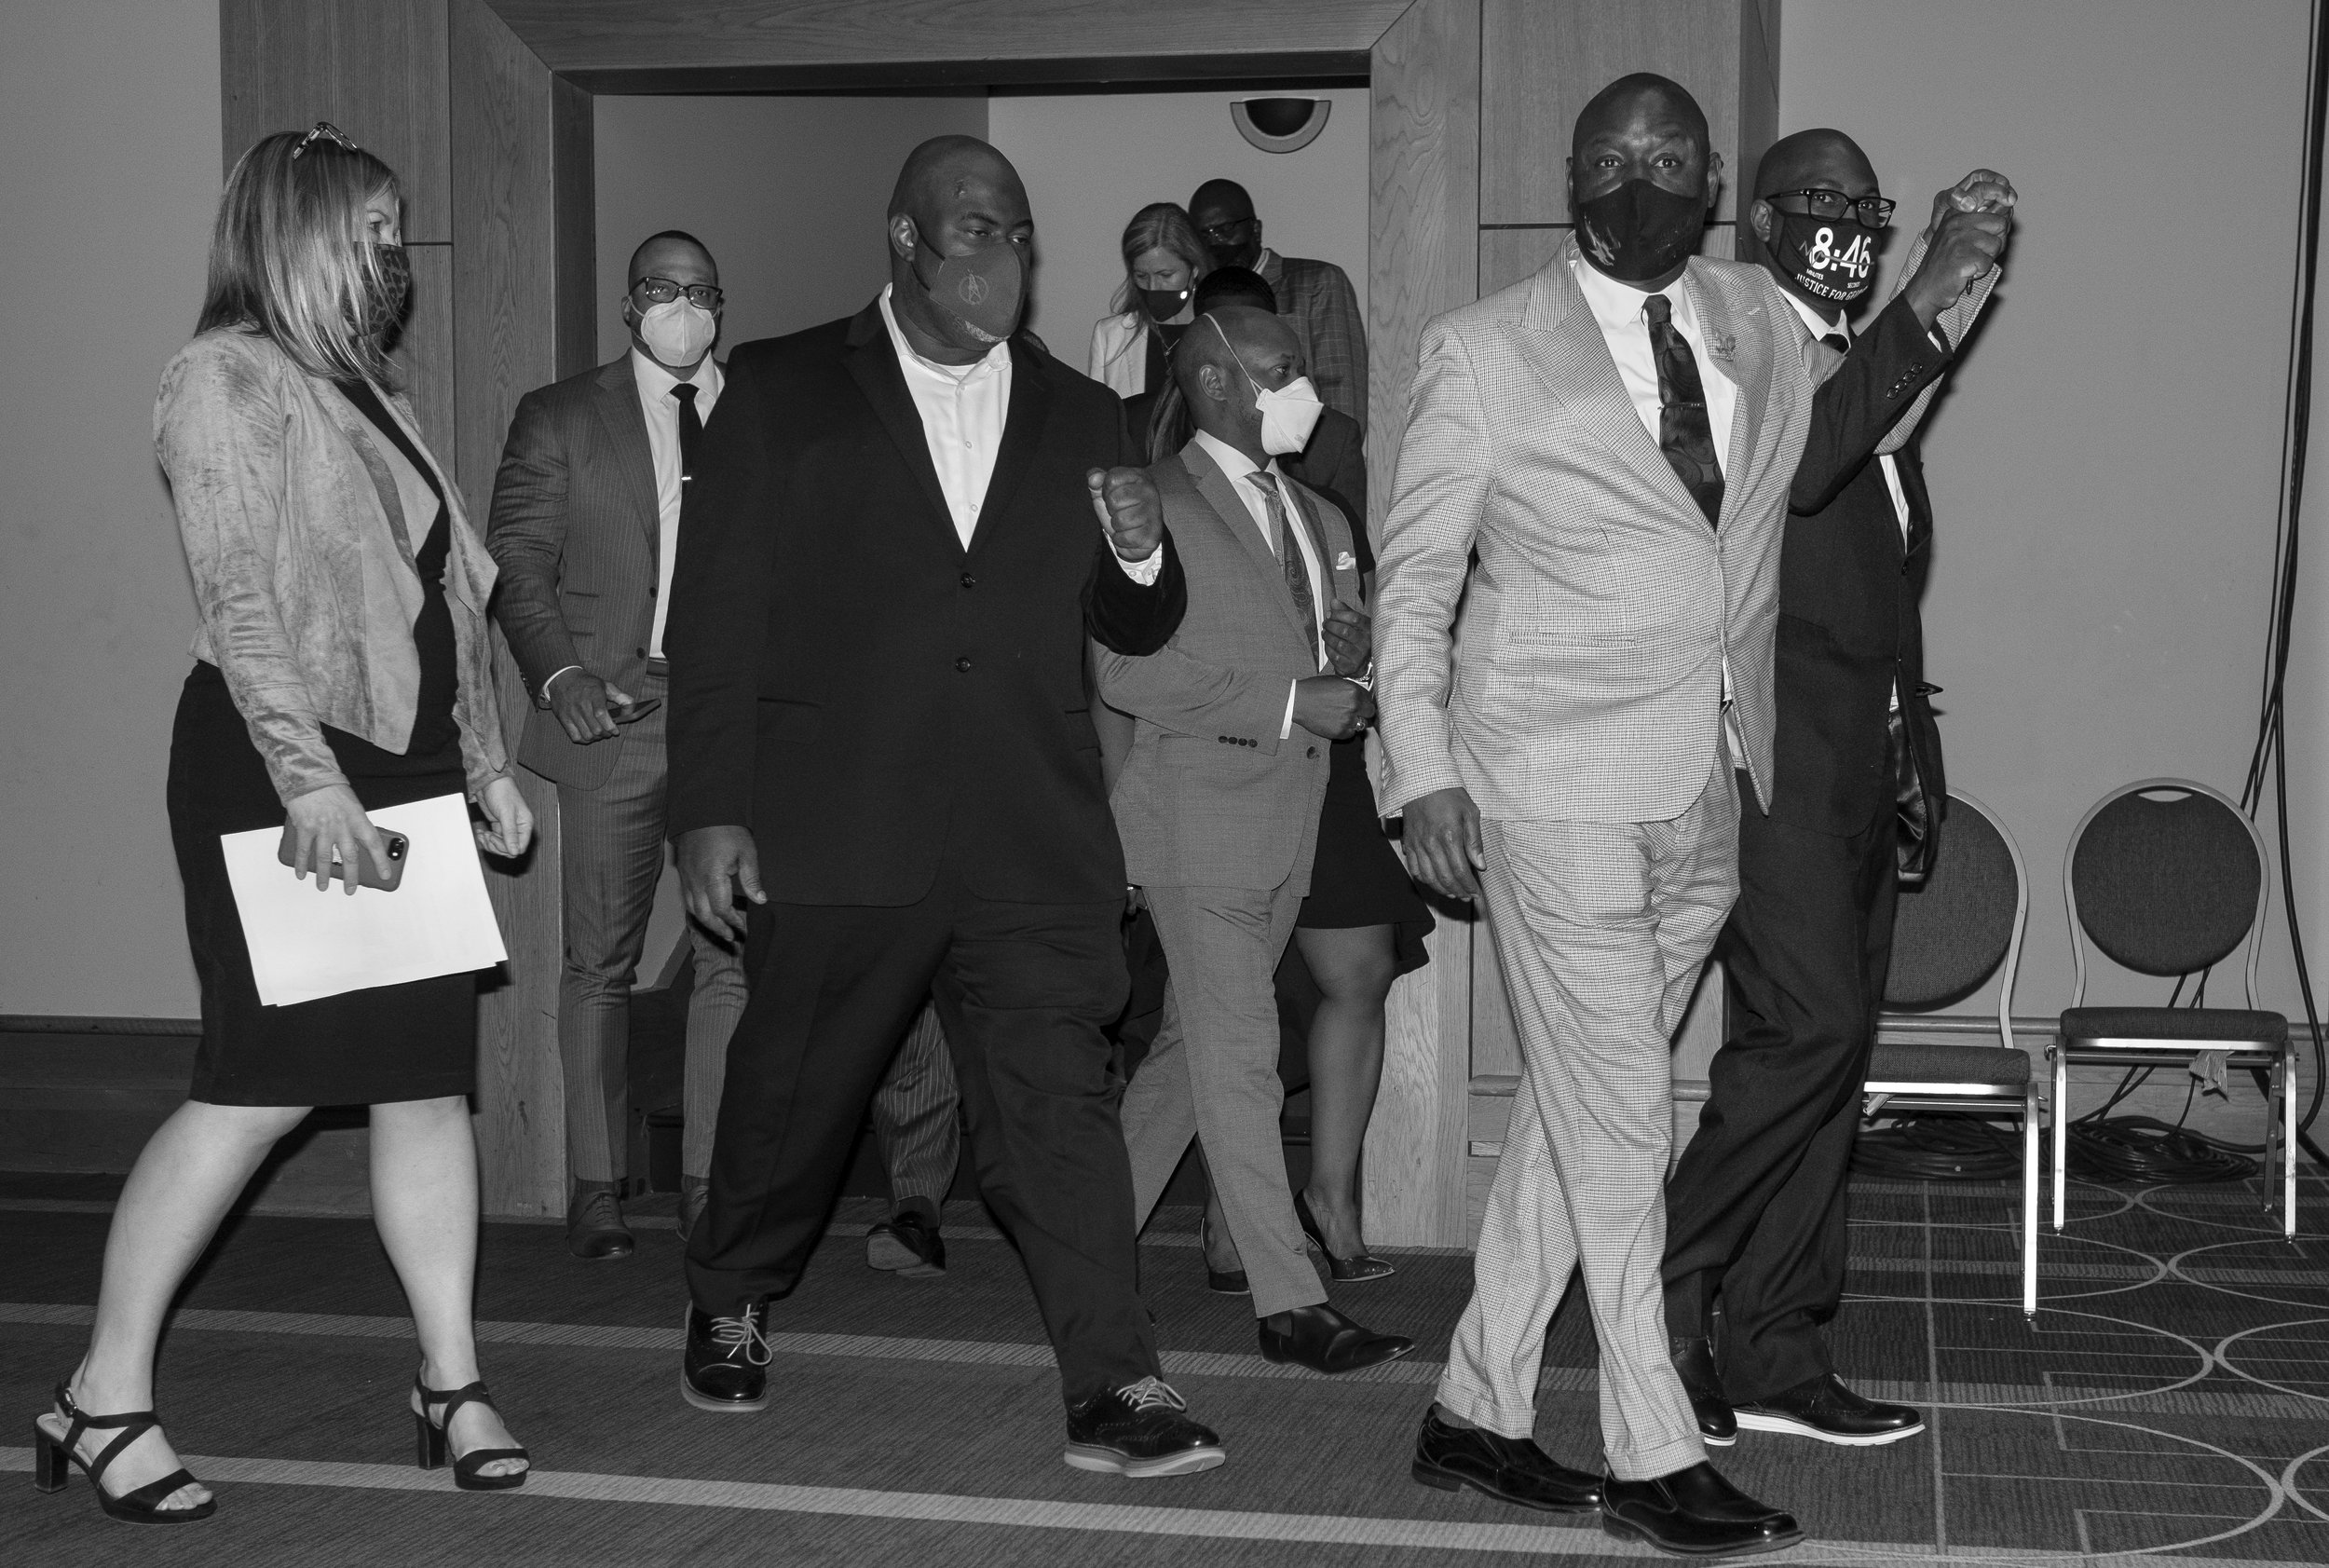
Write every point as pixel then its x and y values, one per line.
pixel 585 525
pixel 1617 438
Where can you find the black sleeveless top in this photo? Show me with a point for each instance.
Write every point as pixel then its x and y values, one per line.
pixel 435 745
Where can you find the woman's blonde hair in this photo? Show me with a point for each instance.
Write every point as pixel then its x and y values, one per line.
pixel 287 253
pixel 1162 227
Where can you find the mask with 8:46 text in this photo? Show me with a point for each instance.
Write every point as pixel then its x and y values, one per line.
pixel 1833 259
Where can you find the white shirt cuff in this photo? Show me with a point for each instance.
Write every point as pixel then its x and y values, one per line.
pixel 1144 571
pixel 1293 689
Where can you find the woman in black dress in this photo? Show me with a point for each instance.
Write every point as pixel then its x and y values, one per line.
pixel 341 666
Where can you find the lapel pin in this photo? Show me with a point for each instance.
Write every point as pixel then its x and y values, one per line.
pixel 1723 348
pixel 1345 562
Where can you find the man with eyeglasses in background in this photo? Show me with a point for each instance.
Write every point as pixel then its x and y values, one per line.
pixel 585 525
pixel 1756 1209
pixel 1316 294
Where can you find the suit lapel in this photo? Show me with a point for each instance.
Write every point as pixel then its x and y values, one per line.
pixel 1740 352
pixel 625 422
pixel 1022 432
pixel 1563 344
pixel 1220 493
pixel 873 364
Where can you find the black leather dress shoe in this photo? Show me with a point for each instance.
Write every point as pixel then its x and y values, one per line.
pixel 1322 1339
pixel 727 1363
pixel 595 1227
pixel 1693 1359
pixel 1693 1513
pixel 1140 1430
pixel 1825 1408
pixel 906 1244
pixel 1509 1469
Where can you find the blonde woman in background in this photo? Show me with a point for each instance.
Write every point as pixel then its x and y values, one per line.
pixel 1165 260
pixel 341 666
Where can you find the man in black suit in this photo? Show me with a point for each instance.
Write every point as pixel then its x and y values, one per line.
pixel 880 732
pixel 1756 1223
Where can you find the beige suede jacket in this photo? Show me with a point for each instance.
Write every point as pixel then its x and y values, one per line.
pixel 302 564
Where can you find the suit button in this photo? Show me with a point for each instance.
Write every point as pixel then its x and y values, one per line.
pixel 1313 752
pixel 963 665
pixel 969 582
pixel 640 652
pixel 650 591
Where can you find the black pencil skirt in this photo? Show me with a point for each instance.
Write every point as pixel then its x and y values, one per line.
pixel 417 1041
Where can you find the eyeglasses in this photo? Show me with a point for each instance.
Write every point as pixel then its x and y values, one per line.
pixel 662 291
pixel 1225 232
pixel 324 132
pixel 1829 206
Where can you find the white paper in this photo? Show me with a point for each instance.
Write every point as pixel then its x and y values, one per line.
pixel 306 944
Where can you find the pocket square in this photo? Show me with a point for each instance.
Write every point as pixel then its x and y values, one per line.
pixel 1345 562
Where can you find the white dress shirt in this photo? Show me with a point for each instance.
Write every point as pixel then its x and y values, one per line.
pixel 964 410
pixel 1240 469
pixel 662 444
pixel 1618 311
pixel 1842 326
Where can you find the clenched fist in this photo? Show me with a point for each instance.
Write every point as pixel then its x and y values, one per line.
pixel 1128 507
pixel 1971 220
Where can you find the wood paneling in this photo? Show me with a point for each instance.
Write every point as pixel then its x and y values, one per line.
pixel 573 168
pixel 1510 254
pixel 725 46
pixel 1542 60
pixel 510 270
pixel 1423 259
pixel 375 68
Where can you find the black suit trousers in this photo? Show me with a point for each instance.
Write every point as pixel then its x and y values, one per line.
pixel 1024 992
pixel 1756 1211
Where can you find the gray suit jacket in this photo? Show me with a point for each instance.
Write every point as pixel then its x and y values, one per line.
pixel 574 530
pixel 1205 791
pixel 1582 678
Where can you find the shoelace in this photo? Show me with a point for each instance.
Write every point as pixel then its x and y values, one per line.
pixel 730 1334
pixel 599 1212
pixel 1151 1393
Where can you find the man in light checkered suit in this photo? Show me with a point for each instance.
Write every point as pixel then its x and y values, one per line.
pixel 1616 437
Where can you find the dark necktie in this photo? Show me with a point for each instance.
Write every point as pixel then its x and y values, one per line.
pixel 690 429
pixel 1838 342
pixel 1289 553
pixel 1684 433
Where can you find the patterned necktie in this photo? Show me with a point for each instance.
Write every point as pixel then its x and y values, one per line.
pixel 1684 433
pixel 690 429
pixel 1289 553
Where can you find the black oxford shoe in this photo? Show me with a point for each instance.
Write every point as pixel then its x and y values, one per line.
pixel 1825 1408
pixel 909 1246
pixel 595 1227
pixel 1142 1430
pixel 1693 1360
pixel 1693 1513
pixel 727 1363
pixel 1509 1469
pixel 1322 1339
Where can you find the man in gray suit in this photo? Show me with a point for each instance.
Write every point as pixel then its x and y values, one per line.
pixel 1217 801
pixel 1617 438
pixel 585 525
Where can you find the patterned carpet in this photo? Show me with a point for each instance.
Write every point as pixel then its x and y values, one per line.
pixel 2173 1398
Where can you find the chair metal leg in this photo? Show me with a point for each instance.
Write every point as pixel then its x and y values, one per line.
pixel 2285 1081
pixel 2062 1134
pixel 2029 1200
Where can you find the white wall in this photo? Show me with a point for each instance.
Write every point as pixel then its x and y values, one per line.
pixel 2105 473
pixel 110 112
pixel 1091 160
pixel 788 192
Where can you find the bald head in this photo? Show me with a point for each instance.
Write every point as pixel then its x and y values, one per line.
pixel 1221 359
pixel 1224 216
pixel 1644 96
pixel 1820 158
pixel 955 198
pixel 945 170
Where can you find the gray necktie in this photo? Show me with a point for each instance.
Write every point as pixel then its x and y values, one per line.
pixel 1282 536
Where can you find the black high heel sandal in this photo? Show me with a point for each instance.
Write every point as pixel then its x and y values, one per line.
pixel 431 1442
pixel 1353 1270
pixel 53 1460
pixel 1221 1282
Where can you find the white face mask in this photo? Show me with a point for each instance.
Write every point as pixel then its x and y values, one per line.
pixel 1289 414
pixel 678 332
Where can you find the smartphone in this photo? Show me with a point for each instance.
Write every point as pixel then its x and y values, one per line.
pixel 635 712
pixel 365 878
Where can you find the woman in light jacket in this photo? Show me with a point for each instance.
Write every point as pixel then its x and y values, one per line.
pixel 1165 260
pixel 341 666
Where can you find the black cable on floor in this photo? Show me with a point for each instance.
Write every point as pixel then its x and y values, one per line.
pixel 1939 1146
pixel 2149 1152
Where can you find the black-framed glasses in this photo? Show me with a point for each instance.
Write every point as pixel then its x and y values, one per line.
pixel 1221 234
pixel 1830 206
pixel 324 132
pixel 662 291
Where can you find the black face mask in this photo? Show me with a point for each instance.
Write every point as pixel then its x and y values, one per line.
pixel 382 303
pixel 1640 230
pixel 1163 304
pixel 1834 260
